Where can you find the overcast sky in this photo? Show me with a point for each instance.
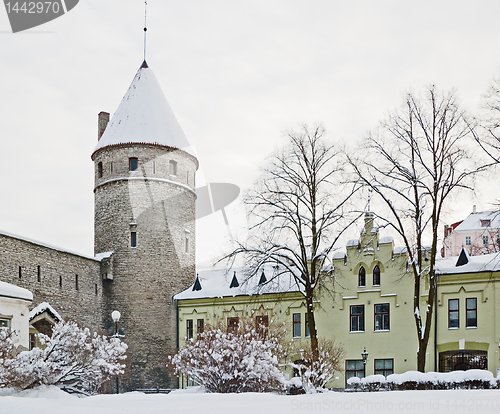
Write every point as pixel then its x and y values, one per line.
pixel 236 73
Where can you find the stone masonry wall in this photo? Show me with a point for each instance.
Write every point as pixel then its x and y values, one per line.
pixel 69 282
pixel 160 208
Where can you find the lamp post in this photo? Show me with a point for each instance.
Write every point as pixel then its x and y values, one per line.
pixel 364 355
pixel 115 315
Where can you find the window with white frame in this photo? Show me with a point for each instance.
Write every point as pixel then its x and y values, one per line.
pixel 4 323
pixel 468 240
pixel 382 317
pixel 485 240
pixel 172 167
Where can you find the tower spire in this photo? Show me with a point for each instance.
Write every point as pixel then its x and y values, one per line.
pixel 145 29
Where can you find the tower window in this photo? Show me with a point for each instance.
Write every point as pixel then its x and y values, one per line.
pixel 133 239
pixel 60 281
pixel 99 170
pixel 133 164
pixel 186 243
pixel 110 167
pixel 20 272
pixel 76 282
pixel 172 167
pixel 39 273
pixel 154 167
pixel 95 289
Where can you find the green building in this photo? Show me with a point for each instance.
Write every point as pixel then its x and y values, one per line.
pixel 368 305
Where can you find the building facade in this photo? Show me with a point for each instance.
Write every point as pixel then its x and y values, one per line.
pixel 371 309
pixel 479 234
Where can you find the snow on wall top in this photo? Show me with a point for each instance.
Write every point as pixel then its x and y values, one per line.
pixel 338 254
pixel 16 292
pixel 42 307
pixel 144 117
pixel 215 283
pixel 473 221
pixel 352 243
pixel 60 249
pixel 484 263
pixel 386 239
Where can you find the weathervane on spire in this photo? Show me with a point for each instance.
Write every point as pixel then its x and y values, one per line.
pixel 145 26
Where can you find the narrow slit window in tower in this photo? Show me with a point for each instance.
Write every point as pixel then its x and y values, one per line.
pixel 39 273
pixel 20 272
pixel 133 164
pixel 133 239
pixel 172 167
pixel 76 282
pixel 99 170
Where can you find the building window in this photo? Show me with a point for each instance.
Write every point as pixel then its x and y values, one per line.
pixel 76 282
pixel 485 223
pixel 382 317
pixel 186 242
pixel 498 239
pixel 95 286
pixel 362 277
pixel 296 325
pixel 110 167
pixel 357 313
pixel 376 276
pixel 306 325
pixel 200 326
pixel 187 177
pixel 99 170
pixel 133 239
pixel 154 167
pixel 4 323
pixel 38 274
pixel 60 281
pixel 172 167
pixel 232 325
pixel 485 240
pixel 471 313
pixel 453 314
pixel 262 325
pixel 354 368
pixel 20 272
pixel 133 164
pixel 384 367
pixel 189 329
pixel 32 341
pixel 468 240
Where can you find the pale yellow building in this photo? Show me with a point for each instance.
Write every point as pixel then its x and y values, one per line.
pixel 367 304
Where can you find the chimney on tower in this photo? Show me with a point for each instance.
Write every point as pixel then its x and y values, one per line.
pixel 102 123
pixel 474 209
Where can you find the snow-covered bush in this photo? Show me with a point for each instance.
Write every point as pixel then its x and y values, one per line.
pixel 7 352
pixel 72 356
pixel 413 380
pixel 243 361
pixel 315 374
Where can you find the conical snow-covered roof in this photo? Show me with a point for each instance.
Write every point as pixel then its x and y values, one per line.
pixel 144 117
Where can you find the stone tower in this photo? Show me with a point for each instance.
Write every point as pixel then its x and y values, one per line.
pixel 145 215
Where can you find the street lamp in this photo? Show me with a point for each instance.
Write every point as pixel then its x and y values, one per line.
pixel 115 315
pixel 364 355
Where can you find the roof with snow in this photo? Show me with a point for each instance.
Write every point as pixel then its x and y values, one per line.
pixel 474 221
pixel 144 117
pixel 14 292
pixel 218 283
pixel 484 263
pixel 45 307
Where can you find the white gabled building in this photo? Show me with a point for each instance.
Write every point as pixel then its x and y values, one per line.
pixel 14 311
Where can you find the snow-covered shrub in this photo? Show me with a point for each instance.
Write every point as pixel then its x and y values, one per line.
pixel 242 361
pixel 7 352
pixel 315 374
pixel 72 356
pixel 414 380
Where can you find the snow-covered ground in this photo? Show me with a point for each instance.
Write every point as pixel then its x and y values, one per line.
pixel 51 400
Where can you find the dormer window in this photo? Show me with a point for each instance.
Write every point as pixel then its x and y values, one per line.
pixel 485 223
pixel 362 277
pixel 133 164
pixel 99 170
pixel 172 167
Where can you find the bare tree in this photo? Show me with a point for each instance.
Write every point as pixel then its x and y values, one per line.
pixel 489 136
pixel 415 162
pixel 297 215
